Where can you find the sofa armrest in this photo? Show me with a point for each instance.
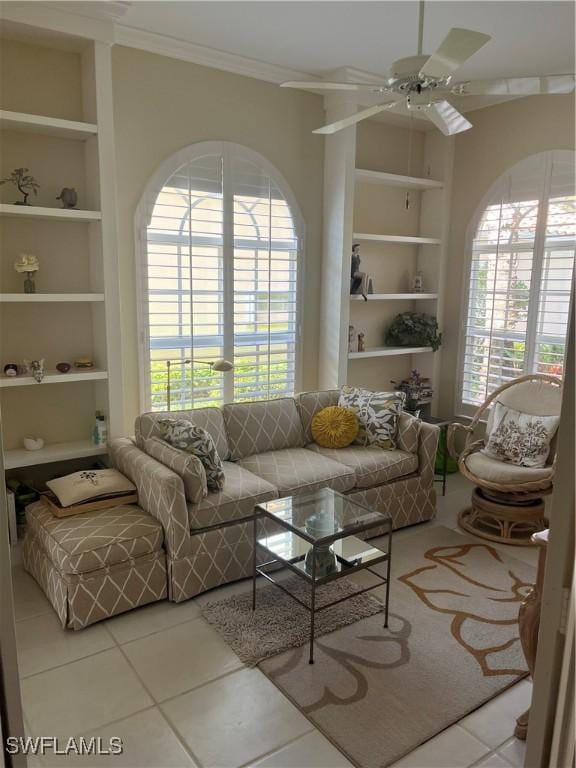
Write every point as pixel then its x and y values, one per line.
pixel 427 448
pixel 160 492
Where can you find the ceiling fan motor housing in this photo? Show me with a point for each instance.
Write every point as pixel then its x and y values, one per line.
pixel 408 80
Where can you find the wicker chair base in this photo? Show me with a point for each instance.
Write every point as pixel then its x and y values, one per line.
pixel 507 522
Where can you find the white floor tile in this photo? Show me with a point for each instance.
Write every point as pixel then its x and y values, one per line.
pixel 82 695
pixel 310 751
pixel 180 658
pixel 493 761
pixel 232 721
pixel 29 600
pixel 43 644
pixel 514 752
pixel 453 748
pixel 494 723
pixel 151 618
pixel 148 741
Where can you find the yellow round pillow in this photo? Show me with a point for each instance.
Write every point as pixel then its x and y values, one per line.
pixel 334 427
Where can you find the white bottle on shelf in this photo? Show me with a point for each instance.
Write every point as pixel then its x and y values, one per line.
pixel 100 432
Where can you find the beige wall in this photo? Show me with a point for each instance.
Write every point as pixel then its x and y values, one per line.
pixel 162 105
pixel 502 136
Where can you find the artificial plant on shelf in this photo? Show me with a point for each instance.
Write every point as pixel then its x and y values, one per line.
pixel 413 329
pixel 24 183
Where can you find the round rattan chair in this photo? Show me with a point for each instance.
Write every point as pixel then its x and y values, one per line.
pixel 507 502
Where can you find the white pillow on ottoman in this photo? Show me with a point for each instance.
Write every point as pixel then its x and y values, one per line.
pixel 520 438
pixel 89 484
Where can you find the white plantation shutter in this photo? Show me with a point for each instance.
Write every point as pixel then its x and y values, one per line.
pixel 220 281
pixel 520 277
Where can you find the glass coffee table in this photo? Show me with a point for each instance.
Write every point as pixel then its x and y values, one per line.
pixel 314 536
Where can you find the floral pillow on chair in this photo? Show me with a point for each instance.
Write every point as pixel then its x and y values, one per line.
pixel 520 438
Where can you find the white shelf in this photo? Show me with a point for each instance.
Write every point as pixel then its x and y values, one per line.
pixel 40 212
pixel 394 296
pixel 54 377
pixel 401 239
pixel 396 180
pixel 45 298
pixel 51 126
pixel 388 352
pixel 77 449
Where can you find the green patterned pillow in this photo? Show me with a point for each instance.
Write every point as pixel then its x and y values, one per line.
pixel 377 414
pixel 197 441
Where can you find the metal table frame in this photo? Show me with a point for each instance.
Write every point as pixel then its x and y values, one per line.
pixel 351 567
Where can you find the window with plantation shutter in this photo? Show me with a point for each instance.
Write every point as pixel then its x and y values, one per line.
pixel 219 280
pixel 520 277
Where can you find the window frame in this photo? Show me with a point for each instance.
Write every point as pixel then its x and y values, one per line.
pixel 495 191
pixel 142 218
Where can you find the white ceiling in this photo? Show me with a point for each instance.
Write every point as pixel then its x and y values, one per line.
pixel 529 37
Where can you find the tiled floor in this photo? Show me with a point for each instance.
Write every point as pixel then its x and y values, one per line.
pixel 162 680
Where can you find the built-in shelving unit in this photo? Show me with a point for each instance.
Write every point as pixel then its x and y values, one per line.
pixel 42 212
pixel 48 298
pixel 388 352
pixel 73 449
pixel 76 311
pixel 54 377
pixel 395 297
pixel 50 126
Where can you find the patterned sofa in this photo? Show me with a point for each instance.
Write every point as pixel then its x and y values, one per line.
pixel 268 452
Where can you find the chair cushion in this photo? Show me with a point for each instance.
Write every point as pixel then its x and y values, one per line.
pixel 495 471
pixel 241 492
pixel 269 425
pixel 519 438
pixel 94 540
pixel 371 465
pixel 298 469
pixel 210 419
pixel 308 405
pixel 184 464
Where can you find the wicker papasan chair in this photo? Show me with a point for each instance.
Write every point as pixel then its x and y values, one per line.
pixel 507 502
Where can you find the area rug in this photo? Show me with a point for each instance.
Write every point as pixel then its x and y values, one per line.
pixel 452 645
pixel 279 622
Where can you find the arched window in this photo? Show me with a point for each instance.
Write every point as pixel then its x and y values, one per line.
pixel 220 238
pixel 522 245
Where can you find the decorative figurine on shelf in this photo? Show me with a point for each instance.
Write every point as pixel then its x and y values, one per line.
pixel 11 369
pixel 352 338
pixel 68 197
pixel 27 264
pixel 361 344
pixel 418 282
pixel 24 183
pixel 357 278
pixel 35 368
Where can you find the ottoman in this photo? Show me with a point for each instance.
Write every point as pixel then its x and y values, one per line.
pixel 97 564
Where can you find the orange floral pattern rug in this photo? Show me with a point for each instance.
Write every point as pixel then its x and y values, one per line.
pixel 452 645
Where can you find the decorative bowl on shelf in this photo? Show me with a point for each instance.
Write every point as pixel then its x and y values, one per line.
pixel 63 367
pixel 33 443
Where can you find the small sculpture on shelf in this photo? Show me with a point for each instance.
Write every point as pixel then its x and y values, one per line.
pixel 361 343
pixel 418 282
pixel 352 338
pixel 27 264
pixel 35 368
pixel 24 183
pixel 68 197
pixel 358 279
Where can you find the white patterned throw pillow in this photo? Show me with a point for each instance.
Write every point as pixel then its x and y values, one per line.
pixel 377 414
pixel 197 441
pixel 520 438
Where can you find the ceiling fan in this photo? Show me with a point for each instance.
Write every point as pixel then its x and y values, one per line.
pixel 422 83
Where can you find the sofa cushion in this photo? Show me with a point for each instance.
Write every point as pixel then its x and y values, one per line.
pixel 209 419
pixel 308 405
pixel 241 492
pixel 269 425
pixel 197 441
pixel 371 465
pixel 503 472
pixel 184 464
pixel 94 540
pixel 293 470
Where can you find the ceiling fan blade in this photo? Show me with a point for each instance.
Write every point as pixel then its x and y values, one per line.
pixel 457 47
pixel 353 119
pixel 516 86
pixel 327 85
pixel 447 118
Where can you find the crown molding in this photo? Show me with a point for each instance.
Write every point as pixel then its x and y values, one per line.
pixel 174 48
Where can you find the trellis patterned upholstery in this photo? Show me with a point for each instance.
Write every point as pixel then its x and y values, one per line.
pixel 205 547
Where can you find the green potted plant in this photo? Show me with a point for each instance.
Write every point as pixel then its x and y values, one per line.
pixel 24 183
pixel 413 329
